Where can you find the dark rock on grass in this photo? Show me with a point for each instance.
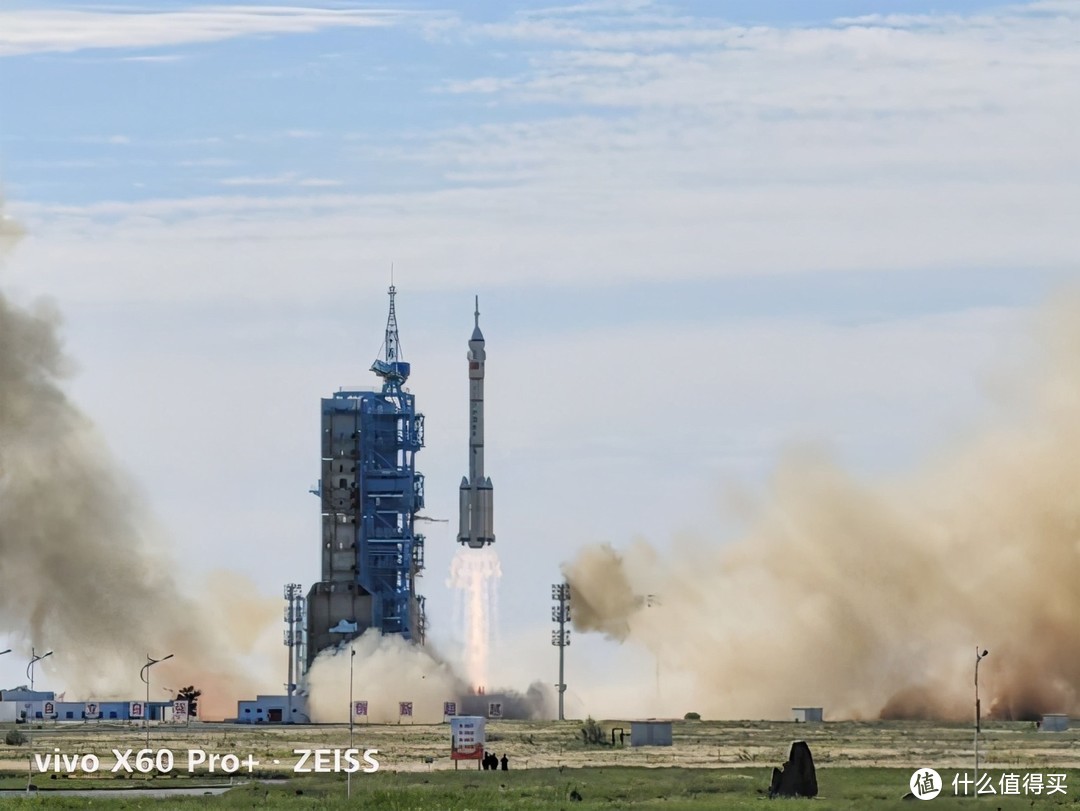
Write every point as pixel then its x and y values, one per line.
pixel 798 778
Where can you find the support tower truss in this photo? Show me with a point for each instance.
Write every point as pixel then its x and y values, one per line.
pixel 370 492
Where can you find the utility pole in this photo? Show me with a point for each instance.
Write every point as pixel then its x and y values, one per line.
pixel 560 613
pixel 978 658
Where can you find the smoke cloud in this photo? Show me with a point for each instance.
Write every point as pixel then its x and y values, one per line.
pixel 868 598
pixel 386 671
pixel 82 568
pixel 474 574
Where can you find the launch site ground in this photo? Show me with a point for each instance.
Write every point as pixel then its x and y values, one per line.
pixel 712 765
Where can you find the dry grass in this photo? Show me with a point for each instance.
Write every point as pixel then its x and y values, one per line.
pixel 533 745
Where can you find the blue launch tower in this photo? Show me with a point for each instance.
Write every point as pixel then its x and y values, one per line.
pixel 370 493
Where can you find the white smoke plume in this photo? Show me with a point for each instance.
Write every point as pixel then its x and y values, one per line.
pixel 82 569
pixel 475 574
pixel 386 670
pixel 868 598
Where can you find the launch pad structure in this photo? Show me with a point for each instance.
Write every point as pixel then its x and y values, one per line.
pixel 370 493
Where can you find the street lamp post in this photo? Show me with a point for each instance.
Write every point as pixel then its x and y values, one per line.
pixel 650 601
pixel 978 658
pixel 345 627
pixel 30 667
pixel 144 674
pixel 352 717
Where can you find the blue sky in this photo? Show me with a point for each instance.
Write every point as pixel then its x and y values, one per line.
pixel 786 222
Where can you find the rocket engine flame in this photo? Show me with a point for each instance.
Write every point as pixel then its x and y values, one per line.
pixel 476 573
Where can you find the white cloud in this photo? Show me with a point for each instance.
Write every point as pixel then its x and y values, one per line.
pixel 571 217
pixel 27 31
pixel 286 179
pixel 319 182
pixel 159 59
pixel 207 162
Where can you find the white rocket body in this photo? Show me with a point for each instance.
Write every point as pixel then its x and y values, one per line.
pixel 476 526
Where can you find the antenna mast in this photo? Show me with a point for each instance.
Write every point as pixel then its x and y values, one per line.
pixel 390 367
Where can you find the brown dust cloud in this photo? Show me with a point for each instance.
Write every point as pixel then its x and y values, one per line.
pixel 83 570
pixel 866 598
pixel 869 598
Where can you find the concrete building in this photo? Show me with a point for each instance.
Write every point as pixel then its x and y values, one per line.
pixel 22 705
pixel 23 694
pixel 370 493
pixel 650 733
pixel 807 715
pixel 273 710
pixel 1054 722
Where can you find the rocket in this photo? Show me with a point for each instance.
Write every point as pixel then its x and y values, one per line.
pixel 475 521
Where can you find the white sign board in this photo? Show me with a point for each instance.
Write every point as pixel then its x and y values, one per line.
pixel 92 709
pixel 494 709
pixel 135 711
pixel 49 710
pixel 359 708
pixel 179 710
pixel 467 737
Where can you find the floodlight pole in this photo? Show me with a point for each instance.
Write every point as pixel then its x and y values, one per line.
pixel 293 613
pixel 144 674
pixel 978 658
pixel 560 613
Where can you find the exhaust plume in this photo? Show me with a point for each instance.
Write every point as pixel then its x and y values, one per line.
pixel 389 669
pixel 475 574
pixel 82 569
pixel 870 599
pixel 386 671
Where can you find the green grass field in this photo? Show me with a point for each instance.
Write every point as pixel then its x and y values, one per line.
pixel 712 765
pixel 611 789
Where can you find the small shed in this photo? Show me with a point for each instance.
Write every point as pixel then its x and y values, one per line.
pixel 272 710
pixel 807 715
pixel 1054 722
pixel 650 733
